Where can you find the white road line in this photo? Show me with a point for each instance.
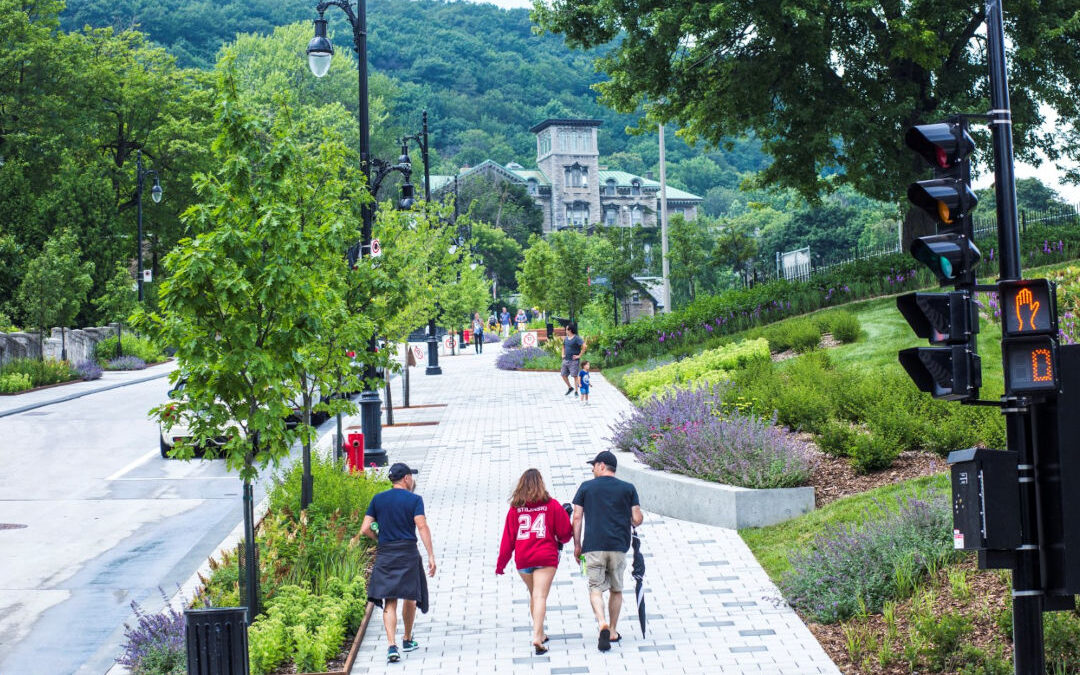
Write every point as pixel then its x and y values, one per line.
pixel 132 465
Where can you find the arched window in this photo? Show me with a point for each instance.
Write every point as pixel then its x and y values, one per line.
pixel 576 176
pixel 611 215
pixel 577 214
pixel 637 214
pixel 533 186
pixel 609 188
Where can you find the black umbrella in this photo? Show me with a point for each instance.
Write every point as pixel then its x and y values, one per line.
pixel 638 572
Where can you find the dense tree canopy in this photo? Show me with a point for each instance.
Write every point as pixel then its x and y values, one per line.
pixel 828 87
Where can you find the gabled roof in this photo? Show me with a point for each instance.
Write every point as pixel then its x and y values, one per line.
pixel 564 123
pixel 442 182
pixel 533 174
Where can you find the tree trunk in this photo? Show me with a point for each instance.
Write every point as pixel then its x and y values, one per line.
pixel 389 402
pixel 63 344
pixel 250 597
pixel 119 339
pixel 405 379
pixel 306 482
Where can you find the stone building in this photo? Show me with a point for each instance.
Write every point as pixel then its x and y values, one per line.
pixel 573 188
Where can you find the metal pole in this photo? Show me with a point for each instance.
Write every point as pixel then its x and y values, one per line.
pixel 370 404
pixel 1027 595
pixel 433 367
pixel 251 571
pixel 666 271
pixel 138 199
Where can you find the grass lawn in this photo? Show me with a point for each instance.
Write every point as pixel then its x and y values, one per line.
pixel 772 545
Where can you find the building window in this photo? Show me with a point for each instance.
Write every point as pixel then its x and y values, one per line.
pixel 637 215
pixel 534 187
pixel 576 176
pixel 545 143
pixel 609 188
pixel 611 216
pixel 635 297
pixel 635 187
pixel 577 214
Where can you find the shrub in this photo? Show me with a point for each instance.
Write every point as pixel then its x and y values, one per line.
pixel 512 342
pixel 801 335
pixel 40 372
pixel 13 383
pixel 88 370
pixel 847 570
pixel 490 337
pixel 545 362
pixel 515 359
pixel 708 367
pixel 155 644
pixel 844 326
pixel 690 432
pixel 126 363
pixel 1062 642
pixel 132 345
pixel 873 453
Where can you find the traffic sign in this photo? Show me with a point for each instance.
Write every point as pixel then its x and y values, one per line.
pixel 418 353
pixel 528 339
pixel 376 248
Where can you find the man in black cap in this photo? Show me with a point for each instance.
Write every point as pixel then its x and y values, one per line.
pixel 398 515
pixel 610 507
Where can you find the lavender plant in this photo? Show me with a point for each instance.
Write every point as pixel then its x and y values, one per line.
pixel 512 342
pixel 126 363
pixel 515 359
pixel 88 370
pixel 490 337
pixel 855 568
pixel 692 432
pixel 155 644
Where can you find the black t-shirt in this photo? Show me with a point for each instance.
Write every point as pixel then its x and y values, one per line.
pixel 572 347
pixel 395 511
pixel 608 503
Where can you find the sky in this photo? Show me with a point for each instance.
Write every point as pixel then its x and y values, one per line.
pixel 1047 173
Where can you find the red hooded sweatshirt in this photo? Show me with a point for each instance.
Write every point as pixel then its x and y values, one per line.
pixel 531 533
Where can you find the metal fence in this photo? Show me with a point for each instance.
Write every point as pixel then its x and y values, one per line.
pixel 822 262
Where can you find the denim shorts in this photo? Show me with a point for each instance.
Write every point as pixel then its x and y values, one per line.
pixel 528 570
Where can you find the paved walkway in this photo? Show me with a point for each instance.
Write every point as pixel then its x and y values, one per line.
pixel 711 607
pixel 110 379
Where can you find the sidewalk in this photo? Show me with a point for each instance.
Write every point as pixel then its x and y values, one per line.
pixel 110 379
pixel 711 608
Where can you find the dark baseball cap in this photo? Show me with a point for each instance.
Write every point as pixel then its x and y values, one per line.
pixel 607 458
pixel 399 471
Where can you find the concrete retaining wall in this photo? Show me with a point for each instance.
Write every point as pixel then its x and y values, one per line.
pixel 710 503
pixel 80 344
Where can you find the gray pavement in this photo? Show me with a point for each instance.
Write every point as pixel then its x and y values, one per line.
pixel 712 609
pixel 110 379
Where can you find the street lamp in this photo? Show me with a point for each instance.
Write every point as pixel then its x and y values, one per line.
pixel 421 139
pixel 320 51
pixel 155 194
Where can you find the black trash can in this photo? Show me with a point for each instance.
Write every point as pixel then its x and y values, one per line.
pixel 216 641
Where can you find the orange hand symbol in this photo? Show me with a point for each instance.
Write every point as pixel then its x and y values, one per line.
pixel 1023 298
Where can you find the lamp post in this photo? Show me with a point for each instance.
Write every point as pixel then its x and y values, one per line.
pixel 421 139
pixel 155 194
pixel 319 51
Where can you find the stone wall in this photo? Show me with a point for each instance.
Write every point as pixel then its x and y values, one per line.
pixel 80 344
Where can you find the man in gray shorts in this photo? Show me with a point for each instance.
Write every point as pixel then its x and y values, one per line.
pixel 610 507
pixel 572 349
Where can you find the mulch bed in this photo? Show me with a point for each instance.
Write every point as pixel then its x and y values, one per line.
pixel 834 477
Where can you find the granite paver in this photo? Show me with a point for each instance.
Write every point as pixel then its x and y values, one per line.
pixel 711 608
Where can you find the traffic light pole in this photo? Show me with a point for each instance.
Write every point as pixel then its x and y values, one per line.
pixel 1027 589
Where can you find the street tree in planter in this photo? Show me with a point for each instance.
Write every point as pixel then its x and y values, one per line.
pixel 240 300
pixel 118 302
pixel 464 289
pixel 534 277
pixel 570 281
pixel 55 286
pixel 617 255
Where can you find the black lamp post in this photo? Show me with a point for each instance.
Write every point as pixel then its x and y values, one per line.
pixel 421 140
pixel 155 194
pixel 320 51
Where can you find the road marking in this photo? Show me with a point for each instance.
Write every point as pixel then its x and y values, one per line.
pixel 134 464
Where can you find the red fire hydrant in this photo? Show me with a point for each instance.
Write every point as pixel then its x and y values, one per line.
pixel 354 450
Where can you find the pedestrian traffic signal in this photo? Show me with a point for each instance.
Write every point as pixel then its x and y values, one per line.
pixel 950 254
pixel 1029 330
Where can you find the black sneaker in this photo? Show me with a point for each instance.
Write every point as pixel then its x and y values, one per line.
pixel 575 393
pixel 409 645
pixel 568 391
pixel 392 655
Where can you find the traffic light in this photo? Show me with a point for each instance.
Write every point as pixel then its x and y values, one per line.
pixel 947 198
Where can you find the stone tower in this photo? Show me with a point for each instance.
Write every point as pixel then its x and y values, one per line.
pixel 567 154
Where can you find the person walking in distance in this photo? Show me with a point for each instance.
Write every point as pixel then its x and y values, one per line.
pixel 393 519
pixel 478 333
pixel 536 527
pixel 573 349
pixel 610 509
pixel 504 321
pixel 583 382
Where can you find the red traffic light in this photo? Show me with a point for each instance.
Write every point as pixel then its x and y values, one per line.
pixel 943 145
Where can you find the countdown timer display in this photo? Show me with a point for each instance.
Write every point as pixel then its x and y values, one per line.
pixel 1030 364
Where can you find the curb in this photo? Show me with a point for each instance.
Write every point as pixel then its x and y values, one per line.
pixel 708 503
pixel 71 397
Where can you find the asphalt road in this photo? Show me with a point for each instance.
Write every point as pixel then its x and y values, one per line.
pixel 91 519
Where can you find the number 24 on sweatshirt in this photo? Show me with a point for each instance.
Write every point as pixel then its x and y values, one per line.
pixel 532 534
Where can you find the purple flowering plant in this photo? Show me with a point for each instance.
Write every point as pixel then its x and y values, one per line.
pixel 88 370
pixel 692 432
pixel 515 359
pixel 125 363
pixel 156 642
pixel 854 568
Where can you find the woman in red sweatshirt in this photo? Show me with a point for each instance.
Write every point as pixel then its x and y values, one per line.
pixel 535 526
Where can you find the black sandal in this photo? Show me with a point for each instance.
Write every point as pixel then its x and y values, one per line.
pixel 540 649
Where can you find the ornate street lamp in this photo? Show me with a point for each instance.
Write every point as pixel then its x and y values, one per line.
pixel 155 194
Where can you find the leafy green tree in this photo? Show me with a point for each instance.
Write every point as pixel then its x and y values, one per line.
pixel 1031 195
pixel 827 87
pixel 689 246
pixel 503 205
pixel 569 273
pixel 463 291
pixel 535 278
pixel 616 254
pixel 501 255
pixel 55 286
pixel 118 302
pixel 735 248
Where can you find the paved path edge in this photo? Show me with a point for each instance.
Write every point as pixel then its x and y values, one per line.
pixel 72 397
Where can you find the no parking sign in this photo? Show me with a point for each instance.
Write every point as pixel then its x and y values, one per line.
pixel 418 353
pixel 528 339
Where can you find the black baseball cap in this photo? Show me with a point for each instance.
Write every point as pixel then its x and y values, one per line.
pixel 605 457
pixel 399 471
